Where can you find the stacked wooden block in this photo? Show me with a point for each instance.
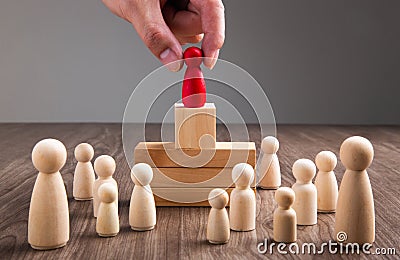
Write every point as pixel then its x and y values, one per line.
pixel 186 170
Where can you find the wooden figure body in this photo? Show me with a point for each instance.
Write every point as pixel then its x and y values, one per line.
pixel 305 204
pixel 285 220
pixel 142 209
pixel 325 182
pixel 104 167
pixel 355 214
pixel 84 174
pixel 107 222
pixel 242 211
pixel 48 224
pixel 218 229
pixel 194 86
pixel 268 170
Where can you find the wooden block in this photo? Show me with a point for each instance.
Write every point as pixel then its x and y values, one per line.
pixel 177 196
pixel 195 127
pixel 193 178
pixel 225 154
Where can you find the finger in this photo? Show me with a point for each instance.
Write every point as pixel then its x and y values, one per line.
pixel 113 6
pixel 213 24
pixel 148 21
pixel 192 39
pixel 182 22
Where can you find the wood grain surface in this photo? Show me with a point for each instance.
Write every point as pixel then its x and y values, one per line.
pixel 181 232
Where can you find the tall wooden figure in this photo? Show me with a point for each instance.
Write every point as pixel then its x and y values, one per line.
pixel 268 169
pixel 218 230
pixel 355 214
pixel 84 174
pixel 142 209
pixel 107 222
pixel 242 211
pixel 104 167
pixel 285 220
pixel 326 183
pixel 305 204
pixel 48 224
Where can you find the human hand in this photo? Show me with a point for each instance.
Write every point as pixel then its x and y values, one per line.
pixel 166 25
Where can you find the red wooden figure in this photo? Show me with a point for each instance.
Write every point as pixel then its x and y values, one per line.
pixel 194 86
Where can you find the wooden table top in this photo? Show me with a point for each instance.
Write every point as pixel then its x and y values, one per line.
pixel 181 232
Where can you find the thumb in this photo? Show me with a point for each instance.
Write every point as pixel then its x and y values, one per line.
pixel 148 21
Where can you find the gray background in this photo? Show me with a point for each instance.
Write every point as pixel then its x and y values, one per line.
pixel 325 62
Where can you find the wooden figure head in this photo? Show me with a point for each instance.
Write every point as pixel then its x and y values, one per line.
pixel 49 156
pixel 326 161
pixel 356 153
pixel 270 145
pixel 242 174
pixel 141 174
pixel 218 198
pixel 107 193
pixel 104 166
pixel 304 170
pixel 84 152
pixel 285 197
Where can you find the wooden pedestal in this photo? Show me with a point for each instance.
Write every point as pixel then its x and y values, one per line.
pixel 182 175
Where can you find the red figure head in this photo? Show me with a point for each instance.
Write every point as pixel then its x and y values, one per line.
pixel 193 52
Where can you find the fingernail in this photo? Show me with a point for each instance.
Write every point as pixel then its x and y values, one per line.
pixel 210 62
pixel 171 60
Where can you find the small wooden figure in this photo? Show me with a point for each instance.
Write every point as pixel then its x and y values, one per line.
pixel 355 214
pixel 84 174
pixel 104 167
pixel 325 182
pixel 142 209
pixel 107 222
pixel 243 200
pixel 218 231
pixel 305 204
pixel 194 86
pixel 48 224
pixel 268 169
pixel 284 216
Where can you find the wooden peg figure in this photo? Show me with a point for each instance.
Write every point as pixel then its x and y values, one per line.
pixel 305 204
pixel 285 220
pixel 84 174
pixel 268 169
pixel 355 214
pixel 48 223
pixel 218 230
pixel 104 167
pixel 107 222
pixel 325 182
pixel 194 86
pixel 243 200
pixel 142 209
